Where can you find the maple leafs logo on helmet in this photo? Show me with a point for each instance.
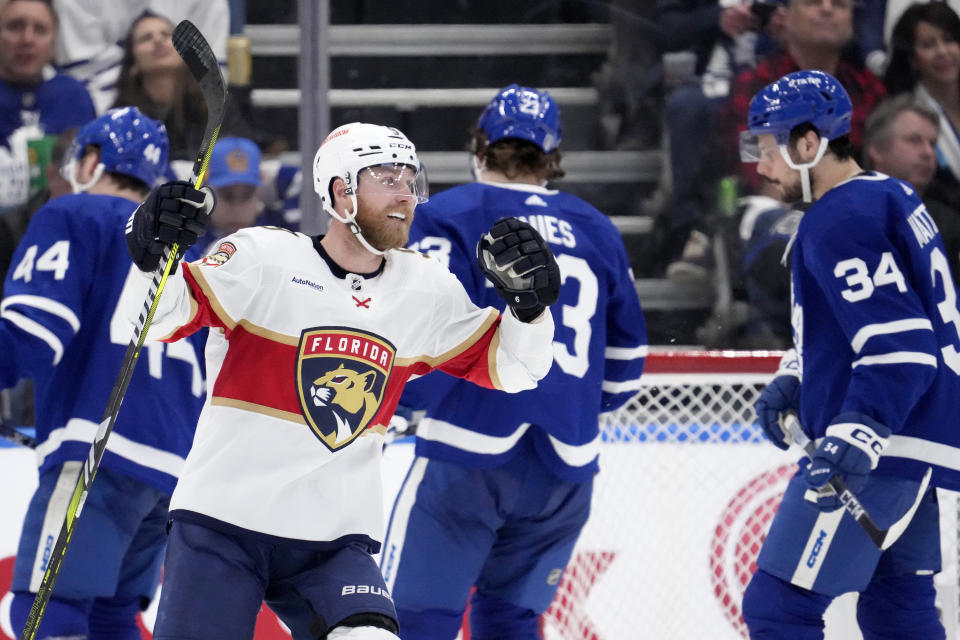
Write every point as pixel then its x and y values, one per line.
pixel 130 144
pixel 523 113
pixel 797 98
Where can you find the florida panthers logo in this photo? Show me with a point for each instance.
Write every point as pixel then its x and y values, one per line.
pixel 341 377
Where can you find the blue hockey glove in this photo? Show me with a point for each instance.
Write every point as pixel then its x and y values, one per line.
pixel 851 449
pixel 517 260
pixel 781 395
pixel 173 212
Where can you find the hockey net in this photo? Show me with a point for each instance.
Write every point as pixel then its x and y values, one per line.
pixel 687 490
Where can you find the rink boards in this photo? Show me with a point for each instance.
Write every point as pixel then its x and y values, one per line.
pixel 674 529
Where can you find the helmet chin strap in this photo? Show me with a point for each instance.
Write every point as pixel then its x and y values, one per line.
pixel 350 219
pixel 70 169
pixel 477 167
pixel 804 168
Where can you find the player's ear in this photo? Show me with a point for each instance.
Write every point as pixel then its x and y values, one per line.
pixel 339 190
pixel 808 145
pixel 88 164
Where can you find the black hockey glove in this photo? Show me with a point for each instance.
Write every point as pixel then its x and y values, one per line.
pixel 517 260
pixel 173 212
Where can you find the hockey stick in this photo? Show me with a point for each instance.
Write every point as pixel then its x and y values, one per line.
pixel 196 53
pixel 7 432
pixel 883 538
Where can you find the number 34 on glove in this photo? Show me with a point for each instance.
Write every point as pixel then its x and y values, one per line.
pixel 517 260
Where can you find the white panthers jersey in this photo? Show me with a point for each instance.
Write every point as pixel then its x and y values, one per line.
pixel 305 364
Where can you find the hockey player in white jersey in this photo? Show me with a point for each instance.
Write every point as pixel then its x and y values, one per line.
pixel 311 342
pixel 874 376
pixel 61 326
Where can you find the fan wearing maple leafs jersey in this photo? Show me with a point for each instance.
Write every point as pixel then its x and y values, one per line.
pixel 501 484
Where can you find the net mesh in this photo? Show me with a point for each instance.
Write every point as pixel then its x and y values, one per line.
pixel 692 531
pixel 687 491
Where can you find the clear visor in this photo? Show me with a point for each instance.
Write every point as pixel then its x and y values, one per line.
pixel 394 179
pixel 749 147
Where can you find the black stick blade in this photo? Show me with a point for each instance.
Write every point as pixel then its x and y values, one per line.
pixel 203 66
pixel 196 53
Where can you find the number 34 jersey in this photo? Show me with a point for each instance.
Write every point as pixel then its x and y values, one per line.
pixel 876 323
pixel 305 365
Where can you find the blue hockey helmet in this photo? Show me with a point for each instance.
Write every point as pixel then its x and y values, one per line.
pixel 524 113
pixel 799 97
pixel 130 144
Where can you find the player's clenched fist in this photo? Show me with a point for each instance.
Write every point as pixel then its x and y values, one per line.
pixel 174 212
pixel 517 260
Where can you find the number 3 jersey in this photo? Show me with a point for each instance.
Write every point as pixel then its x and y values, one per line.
pixel 62 326
pixel 305 365
pixel 876 324
pixel 600 342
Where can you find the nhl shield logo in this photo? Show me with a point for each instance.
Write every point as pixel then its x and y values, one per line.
pixel 341 377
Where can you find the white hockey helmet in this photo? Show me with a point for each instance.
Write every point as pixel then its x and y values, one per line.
pixel 351 148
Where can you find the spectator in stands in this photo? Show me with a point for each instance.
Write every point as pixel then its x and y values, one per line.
pixel 281 186
pixel 35 101
pixel 814 37
pixel 13 223
pixel 926 61
pixel 722 41
pixel 874 21
pixel 765 228
pixel 628 79
pixel 155 79
pixel 900 140
pixel 90 42
pixel 235 179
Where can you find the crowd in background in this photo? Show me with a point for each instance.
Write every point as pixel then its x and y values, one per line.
pixel 717 55
pixel 682 85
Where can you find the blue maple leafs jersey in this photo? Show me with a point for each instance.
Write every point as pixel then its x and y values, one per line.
pixel 599 344
pixel 56 104
pixel 60 325
pixel 876 324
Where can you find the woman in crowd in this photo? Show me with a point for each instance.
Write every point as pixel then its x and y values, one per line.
pixel 155 79
pixel 926 61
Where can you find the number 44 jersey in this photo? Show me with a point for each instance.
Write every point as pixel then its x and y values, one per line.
pixel 599 345
pixel 61 326
pixel 876 324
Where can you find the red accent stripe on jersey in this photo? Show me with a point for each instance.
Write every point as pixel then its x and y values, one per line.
pixel 260 371
pixel 471 364
pixel 205 317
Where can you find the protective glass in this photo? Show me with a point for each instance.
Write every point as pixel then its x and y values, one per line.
pixel 394 179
